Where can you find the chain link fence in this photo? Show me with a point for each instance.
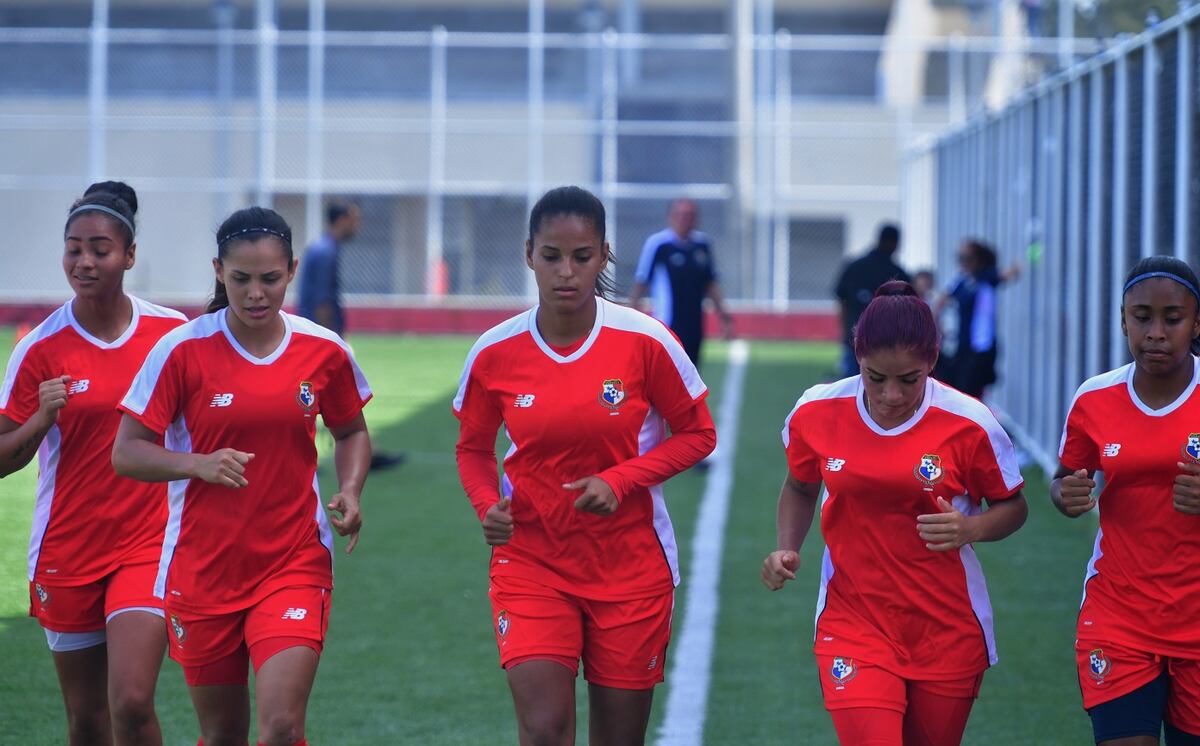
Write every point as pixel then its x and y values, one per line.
pixel 1077 179
pixel 791 146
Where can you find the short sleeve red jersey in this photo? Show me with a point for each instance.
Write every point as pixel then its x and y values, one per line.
pixel 87 521
pixel 226 549
pixel 570 416
pixel 885 598
pixel 1142 587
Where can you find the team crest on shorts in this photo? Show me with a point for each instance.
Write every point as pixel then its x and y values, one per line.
pixel 1099 665
pixel 929 471
pixel 42 594
pixel 612 393
pixel 1191 449
pixel 843 670
pixel 503 623
pixel 306 397
pixel 180 632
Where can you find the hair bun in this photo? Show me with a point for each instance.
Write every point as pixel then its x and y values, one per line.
pixel 895 287
pixel 118 189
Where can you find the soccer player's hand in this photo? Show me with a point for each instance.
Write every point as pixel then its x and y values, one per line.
pixel 779 567
pixel 947 530
pixel 1075 494
pixel 52 397
pixel 226 467
pixel 346 517
pixel 597 496
pixel 498 523
pixel 1187 489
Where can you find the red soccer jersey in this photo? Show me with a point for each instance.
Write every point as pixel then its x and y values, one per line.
pixel 885 598
pixel 87 521
pixel 1142 588
pixel 226 549
pixel 572 416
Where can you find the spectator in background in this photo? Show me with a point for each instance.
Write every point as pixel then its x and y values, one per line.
pixel 320 287
pixel 320 292
pixel 923 282
pixel 676 269
pixel 973 367
pixel 857 285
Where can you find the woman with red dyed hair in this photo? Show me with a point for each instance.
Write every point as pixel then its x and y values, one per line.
pixel 904 625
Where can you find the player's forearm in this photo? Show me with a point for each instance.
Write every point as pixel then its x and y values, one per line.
pixel 324 315
pixel 352 460
pixel 17 447
pixel 797 505
pixel 480 480
pixel 149 462
pixel 693 437
pixel 1001 519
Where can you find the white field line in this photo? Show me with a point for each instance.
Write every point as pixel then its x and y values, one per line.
pixel 691 667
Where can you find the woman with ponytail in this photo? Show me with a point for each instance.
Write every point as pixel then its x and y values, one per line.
pixel 904 625
pixel 93 553
pixel 246 566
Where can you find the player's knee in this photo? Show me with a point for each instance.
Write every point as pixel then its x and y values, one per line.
pixel 132 709
pixel 88 724
pixel 281 729
pixel 546 728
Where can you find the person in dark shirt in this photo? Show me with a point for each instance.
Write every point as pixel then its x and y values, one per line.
pixel 676 270
pixel 320 287
pixel 857 285
pixel 320 292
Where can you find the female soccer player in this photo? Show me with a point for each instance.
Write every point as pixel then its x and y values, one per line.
pixel 584 559
pixel 246 566
pixel 96 536
pixel 1138 636
pixel 904 625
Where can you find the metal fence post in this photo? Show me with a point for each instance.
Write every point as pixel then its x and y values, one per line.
pixel 316 112
pixel 1094 331
pixel 1121 115
pixel 608 114
pixel 268 36
pixel 783 170
pixel 535 89
pixel 98 93
pixel 1183 142
pixel 1149 227
pixel 434 231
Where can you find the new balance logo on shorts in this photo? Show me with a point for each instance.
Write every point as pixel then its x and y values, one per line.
pixel 294 613
pixel 222 400
pixel 78 387
pixel 1111 449
pixel 835 464
pixel 524 401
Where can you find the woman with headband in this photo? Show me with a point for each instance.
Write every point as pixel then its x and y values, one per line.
pixel 96 537
pixel 1137 642
pixel 246 568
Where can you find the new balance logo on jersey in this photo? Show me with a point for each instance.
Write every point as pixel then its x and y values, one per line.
pixel 222 400
pixel 294 614
pixel 78 387
pixel 524 401
pixel 835 464
pixel 1111 449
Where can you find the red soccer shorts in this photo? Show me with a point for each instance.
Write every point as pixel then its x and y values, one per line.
pixel 1108 672
pixel 215 650
pixel 87 608
pixel 623 644
pixel 847 683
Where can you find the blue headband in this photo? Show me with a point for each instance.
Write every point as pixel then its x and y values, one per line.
pixel 1170 276
pixel 101 208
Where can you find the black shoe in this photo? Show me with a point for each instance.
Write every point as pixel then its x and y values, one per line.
pixel 381 461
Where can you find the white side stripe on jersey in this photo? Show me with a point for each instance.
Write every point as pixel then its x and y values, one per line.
pixel 302 325
pixel 507 329
pixel 53 324
pixel 843 389
pixel 144 383
pixel 631 320
pixel 1114 377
